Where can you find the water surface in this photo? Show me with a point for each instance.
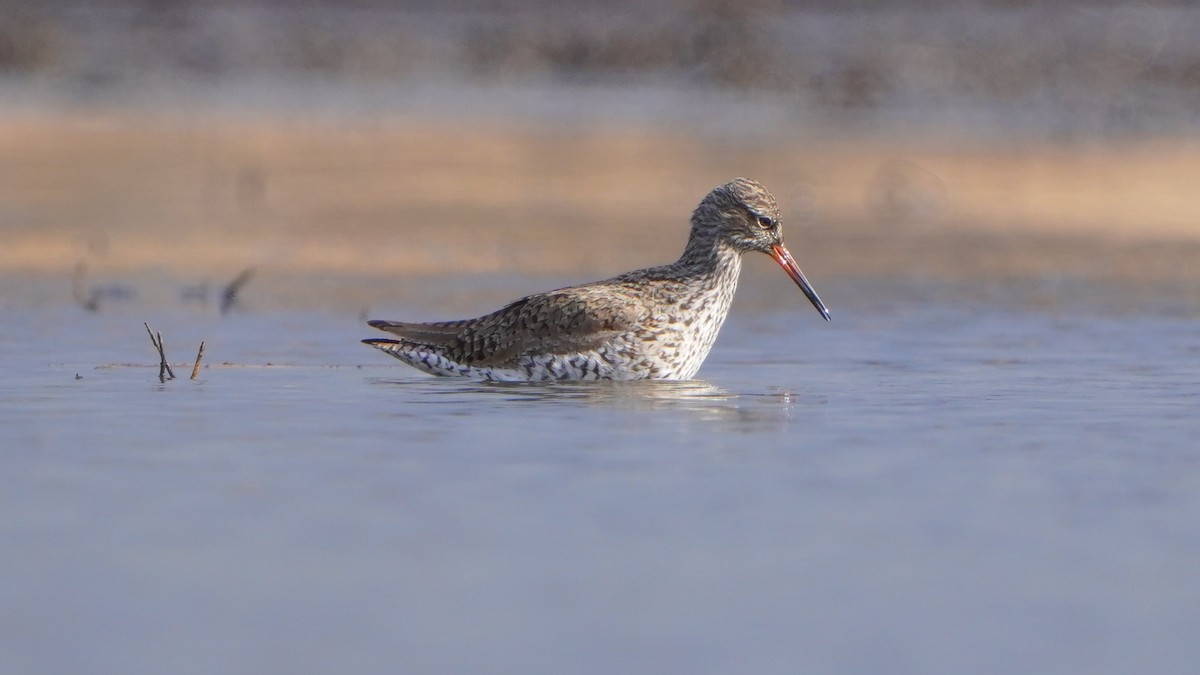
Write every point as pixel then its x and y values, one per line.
pixel 918 487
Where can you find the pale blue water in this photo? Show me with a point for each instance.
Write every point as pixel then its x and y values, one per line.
pixel 917 487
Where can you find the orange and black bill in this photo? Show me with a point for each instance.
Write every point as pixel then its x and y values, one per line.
pixel 785 260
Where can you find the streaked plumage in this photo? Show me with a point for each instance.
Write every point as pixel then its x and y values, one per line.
pixel 654 323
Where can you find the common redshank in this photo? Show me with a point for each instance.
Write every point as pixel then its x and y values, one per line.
pixel 654 323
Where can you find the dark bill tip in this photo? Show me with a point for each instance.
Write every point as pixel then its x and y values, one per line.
pixel 785 260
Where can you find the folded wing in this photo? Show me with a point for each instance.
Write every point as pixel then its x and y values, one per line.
pixel 559 322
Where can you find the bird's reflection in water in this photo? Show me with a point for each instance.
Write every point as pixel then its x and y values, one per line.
pixel 770 409
pixel 693 395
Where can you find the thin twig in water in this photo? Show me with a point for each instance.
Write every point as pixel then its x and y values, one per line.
pixel 170 373
pixel 229 295
pixel 164 368
pixel 199 355
pixel 162 359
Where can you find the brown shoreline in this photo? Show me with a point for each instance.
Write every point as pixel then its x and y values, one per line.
pixel 130 194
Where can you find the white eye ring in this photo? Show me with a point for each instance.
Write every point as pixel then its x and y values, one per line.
pixel 765 222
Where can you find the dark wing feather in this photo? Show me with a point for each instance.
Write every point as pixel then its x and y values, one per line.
pixel 560 322
pixel 433 334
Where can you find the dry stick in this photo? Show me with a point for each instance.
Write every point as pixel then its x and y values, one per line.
pixel 162 359
pixel 163 366
pixel 170 373
pixel 199 355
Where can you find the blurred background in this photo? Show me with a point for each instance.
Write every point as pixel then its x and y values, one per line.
pixel 968 468
pixel 329 144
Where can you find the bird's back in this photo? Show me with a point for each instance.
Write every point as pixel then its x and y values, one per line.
pixel 643 324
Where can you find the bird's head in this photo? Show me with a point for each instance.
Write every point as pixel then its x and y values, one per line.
pixel 742 214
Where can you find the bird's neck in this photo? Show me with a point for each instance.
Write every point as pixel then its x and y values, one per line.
pixel 709 256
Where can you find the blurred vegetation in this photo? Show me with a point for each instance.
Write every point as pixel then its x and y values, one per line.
pixel 1092 67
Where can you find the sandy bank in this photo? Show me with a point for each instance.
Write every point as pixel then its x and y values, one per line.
pixel 198 196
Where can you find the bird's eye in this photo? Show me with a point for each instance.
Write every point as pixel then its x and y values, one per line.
pixel 765 222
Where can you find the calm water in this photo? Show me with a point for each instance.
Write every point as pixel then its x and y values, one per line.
pixel 917 487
